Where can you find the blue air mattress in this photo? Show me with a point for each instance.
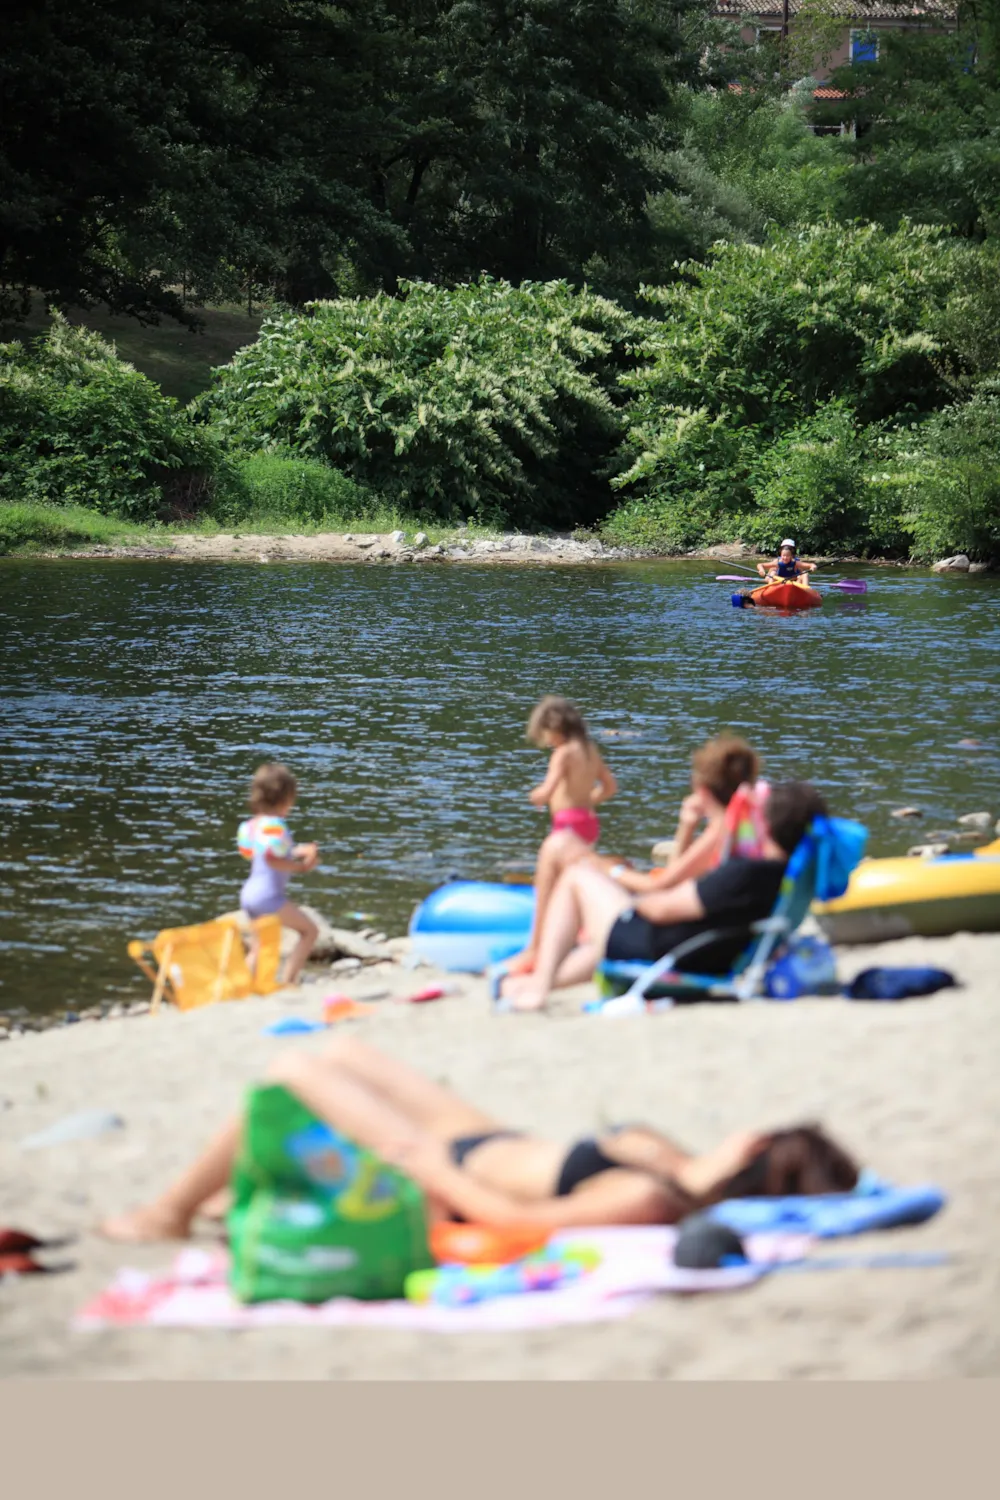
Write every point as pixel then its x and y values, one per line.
pixel 830 1216
pixel 469 924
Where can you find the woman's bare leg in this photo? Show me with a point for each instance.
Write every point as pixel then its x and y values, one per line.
pixel 585 897
pixel 432 1106
pixel 557 852
pixel 169 1217
pixel 291 916
pixel 333 1092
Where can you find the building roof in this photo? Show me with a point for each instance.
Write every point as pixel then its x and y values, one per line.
pixel 851 10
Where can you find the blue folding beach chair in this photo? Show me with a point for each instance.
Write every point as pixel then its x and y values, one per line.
pixel 822 863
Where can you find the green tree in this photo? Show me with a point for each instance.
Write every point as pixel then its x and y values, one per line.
pixel 486 400
pixel 927 123
pixel 761 340
pixel 78 426
pixel 157 141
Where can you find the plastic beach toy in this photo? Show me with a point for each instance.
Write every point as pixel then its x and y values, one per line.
pixel 481 1244
pixel 459 1286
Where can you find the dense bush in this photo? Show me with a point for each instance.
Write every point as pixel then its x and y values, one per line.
pixel 753 394
pixel 79 426
pixel 943 477
pixel 293 490
pixel 487 401
pixel 700 468
pixel 812 483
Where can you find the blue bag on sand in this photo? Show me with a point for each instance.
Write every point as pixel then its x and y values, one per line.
pixel 829 1216
pixel 806 967
pixel 898 984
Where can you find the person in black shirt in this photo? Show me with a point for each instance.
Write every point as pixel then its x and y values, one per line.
pixel 618 927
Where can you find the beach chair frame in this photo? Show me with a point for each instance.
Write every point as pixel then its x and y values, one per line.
pixel 161 953
pixel 633 987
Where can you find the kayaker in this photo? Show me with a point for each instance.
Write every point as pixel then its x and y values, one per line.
pixel 788 568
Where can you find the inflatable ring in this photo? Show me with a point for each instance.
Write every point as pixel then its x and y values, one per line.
pixel 483 1245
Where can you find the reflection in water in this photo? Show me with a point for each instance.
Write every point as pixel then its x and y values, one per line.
pixel 138 698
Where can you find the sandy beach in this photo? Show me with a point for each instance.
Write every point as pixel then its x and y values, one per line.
pixel 911 1088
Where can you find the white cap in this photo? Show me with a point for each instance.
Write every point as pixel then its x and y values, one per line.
pixel 787 543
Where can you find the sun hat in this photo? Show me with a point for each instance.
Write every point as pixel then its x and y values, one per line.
pixel 788 543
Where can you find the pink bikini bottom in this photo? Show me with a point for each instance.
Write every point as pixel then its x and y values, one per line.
pixel 579 820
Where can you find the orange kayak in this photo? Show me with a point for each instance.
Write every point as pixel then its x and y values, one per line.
pixel 786 596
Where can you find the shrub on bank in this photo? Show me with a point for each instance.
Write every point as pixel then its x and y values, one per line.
pixel 293 491
pixel 751 398
pixel 485 401
pixel 943 477
pixel 78 426
pixel 25 526
pixel 813 483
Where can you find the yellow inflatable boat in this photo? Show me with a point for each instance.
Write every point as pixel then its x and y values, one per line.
pixel 892 898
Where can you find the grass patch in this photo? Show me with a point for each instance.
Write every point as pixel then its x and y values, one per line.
pixel 181 362
pixel 27 527
pixel 279 492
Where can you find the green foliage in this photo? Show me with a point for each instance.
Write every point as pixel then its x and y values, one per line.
pixel 943 476
pixel 297 492
pixel 766 333
pixel 487 401
pixel 812 483
pixel 695 484
pixel 749 400
pixel 927 118
pixel 30 527
pixel 970 321
pixel 762 148
pixel 310 150
pixel 79 426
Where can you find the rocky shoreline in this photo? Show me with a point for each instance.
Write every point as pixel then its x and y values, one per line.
pixel 393 548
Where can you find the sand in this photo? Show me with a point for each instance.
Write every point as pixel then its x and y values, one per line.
pixel 911 1088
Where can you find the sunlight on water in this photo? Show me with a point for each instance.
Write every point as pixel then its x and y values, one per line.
pixel 138 698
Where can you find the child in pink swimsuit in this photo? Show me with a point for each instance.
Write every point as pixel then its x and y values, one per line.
pixel 576 782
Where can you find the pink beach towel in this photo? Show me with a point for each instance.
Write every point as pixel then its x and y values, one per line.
pixel 636 1263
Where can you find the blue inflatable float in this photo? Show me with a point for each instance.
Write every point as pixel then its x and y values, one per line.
pixel 469 924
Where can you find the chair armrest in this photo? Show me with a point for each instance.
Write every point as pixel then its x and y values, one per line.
pixel 690 945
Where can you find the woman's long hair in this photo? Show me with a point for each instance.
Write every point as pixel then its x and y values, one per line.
pixel 796 1161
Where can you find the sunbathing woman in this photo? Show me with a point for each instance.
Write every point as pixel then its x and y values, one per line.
pixel 737 893
pixel 472 1168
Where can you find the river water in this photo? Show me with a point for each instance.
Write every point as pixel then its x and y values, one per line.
pixel 139 697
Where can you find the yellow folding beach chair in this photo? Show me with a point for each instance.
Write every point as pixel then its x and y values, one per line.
pixel 204 964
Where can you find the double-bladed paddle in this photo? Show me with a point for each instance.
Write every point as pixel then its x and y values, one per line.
pixel 846 585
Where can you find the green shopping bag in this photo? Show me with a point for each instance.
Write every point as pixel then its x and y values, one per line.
pixel 315 1216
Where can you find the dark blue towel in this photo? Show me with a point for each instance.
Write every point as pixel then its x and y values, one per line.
pixel 898 984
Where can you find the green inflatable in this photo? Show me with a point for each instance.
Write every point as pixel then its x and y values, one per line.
pixel 313 1215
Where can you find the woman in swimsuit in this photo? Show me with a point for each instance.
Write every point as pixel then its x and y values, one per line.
pixel 471 1168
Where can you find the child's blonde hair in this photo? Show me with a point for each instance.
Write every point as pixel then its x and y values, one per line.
pixel 556 716
pixel 271 787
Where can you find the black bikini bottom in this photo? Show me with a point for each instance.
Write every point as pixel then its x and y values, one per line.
pixel 461 1147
